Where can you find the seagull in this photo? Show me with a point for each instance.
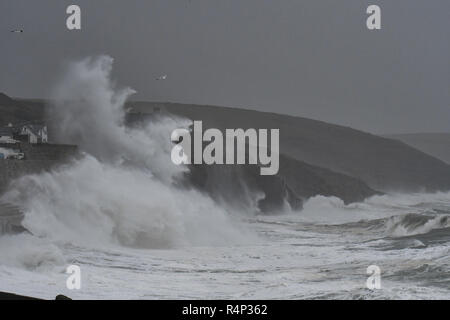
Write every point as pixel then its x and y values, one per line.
pixel 17 31
pixel 163 77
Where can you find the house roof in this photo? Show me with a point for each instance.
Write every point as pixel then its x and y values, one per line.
pixel 35 128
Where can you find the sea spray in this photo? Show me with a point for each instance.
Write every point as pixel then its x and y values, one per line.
pixel 88 110
pixel 25 251
pixel 94 203
pixel 121 190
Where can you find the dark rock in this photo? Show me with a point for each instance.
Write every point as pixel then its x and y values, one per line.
pixel 12 296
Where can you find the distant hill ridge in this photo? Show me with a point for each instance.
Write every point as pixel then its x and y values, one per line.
pixel 317 157
pixel 14 111
pixel 383 164
pixel 4 99
pixel 434 144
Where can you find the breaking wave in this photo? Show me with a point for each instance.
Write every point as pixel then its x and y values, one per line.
pixel 91 202
pixel 25 251
pixel 413 224
pixel 122 189
pixel 399 215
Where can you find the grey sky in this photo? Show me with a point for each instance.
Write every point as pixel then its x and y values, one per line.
pixel 312 58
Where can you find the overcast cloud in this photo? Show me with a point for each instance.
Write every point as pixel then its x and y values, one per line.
pixel 312 58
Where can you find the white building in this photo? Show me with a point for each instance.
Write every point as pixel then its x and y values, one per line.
pixel 36 133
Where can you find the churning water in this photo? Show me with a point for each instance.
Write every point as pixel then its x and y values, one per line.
pixel 118 213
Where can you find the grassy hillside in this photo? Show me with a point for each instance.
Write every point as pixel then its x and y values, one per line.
pixel 384 164
pixel 14 111
pixel 434 144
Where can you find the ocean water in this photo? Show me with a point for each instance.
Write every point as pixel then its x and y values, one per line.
pixel 118 214
pixel 321 252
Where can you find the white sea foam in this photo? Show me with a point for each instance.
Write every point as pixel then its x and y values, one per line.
pixel 26 251
pixel 100 211
pixel 121 190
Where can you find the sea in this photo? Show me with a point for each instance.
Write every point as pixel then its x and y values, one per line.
pixel 117 213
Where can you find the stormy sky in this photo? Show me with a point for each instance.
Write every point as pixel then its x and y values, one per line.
pixel 312 58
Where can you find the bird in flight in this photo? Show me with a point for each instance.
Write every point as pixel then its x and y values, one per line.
pixel 17 31
pixel 163 77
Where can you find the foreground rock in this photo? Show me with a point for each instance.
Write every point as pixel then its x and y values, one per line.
pixel 12 296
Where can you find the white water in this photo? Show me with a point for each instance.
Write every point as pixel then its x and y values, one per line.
pixel 118 215
pixel 295 257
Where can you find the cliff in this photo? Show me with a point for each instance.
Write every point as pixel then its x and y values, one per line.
pixel 383 164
